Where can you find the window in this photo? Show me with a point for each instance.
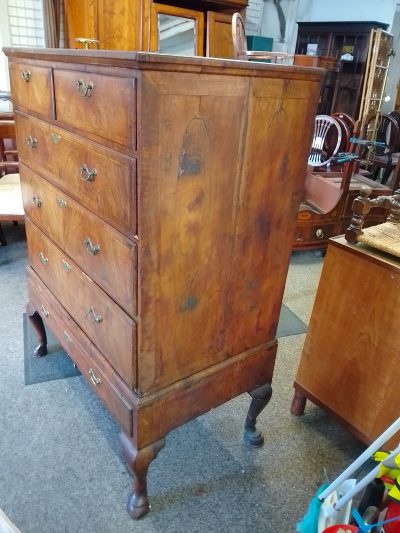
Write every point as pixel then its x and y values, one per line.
pixel 26 22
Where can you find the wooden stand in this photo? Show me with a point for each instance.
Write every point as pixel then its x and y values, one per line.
pixel 350 361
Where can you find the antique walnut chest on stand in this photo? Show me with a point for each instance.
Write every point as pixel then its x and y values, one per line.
pixel 161 195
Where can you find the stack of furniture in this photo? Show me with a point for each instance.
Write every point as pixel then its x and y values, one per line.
pixel 326 207
pixel 343 86
pixel 158 243
pixel 127 25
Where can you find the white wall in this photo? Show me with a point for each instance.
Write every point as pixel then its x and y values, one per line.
pixel 321 11
pixel 346 10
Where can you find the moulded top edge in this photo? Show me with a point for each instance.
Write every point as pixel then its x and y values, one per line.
pixel 154 60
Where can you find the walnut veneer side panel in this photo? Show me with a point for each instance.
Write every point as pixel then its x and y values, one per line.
pixel 221 181
pixel 350 358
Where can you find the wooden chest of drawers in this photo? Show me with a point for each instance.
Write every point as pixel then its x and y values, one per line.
pixel 160 198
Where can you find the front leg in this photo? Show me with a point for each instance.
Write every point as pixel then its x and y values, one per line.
pixel 37 323
pixel 261 396
pixel 298 404
pixel 139 462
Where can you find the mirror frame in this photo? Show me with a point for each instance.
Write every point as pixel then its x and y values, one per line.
pixel 173 11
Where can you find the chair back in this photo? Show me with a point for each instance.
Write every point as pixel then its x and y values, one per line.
pixel 347 119
pixel 239 37
pixel 8 151
pixel 382 128
pixel 326 141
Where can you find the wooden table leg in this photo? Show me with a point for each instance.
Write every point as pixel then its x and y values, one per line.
pixel 261 396
pixel 298 404
pixel 38 325
pixel 139 462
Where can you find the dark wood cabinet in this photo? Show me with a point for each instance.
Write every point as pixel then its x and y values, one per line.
pixel 343 85
pixel 175 27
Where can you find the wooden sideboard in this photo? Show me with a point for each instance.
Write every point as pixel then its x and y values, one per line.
pixel 127 25
pixel 161 197
pixel 350 360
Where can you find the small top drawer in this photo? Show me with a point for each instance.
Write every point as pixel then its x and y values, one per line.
pixel 31 88
pixel 99 104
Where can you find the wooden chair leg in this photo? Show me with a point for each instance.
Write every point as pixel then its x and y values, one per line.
pixel 3 240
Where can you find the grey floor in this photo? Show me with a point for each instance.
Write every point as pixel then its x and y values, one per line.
pixel 61 469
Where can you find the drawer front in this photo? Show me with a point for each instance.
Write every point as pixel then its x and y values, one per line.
pixel 90 362
pixel 313 234
pixel 99 104
pixel 104 254
pixel 92 309
pixel 103 181
pixel 32 88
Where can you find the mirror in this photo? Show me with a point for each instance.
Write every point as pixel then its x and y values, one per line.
pixel 176 35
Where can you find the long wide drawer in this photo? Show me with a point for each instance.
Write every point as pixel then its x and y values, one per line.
pixel 32 88
pixel 96 103
pixel 100 179
pixel 91 308
pixel 99 374
pixel 104 255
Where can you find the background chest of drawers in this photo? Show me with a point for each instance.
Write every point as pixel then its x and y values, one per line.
pixel 160 197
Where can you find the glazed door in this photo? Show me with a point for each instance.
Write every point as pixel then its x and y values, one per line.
pixel 176 31
pixel 219 35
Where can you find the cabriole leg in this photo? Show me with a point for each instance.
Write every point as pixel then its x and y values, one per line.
pixel 37 323
pixel 261 396
pixel 139 462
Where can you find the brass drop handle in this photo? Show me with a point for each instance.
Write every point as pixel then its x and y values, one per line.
pixel 319 233
pixel 84 88
pixel 37 201
pixel 86 41
pixel 25 75
pixel 92 316
pixel 67 336
pixel 31 142
pixel 92 249
pixel 88 174
pixel 45 311
pixel 43 259
pixel 95 380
